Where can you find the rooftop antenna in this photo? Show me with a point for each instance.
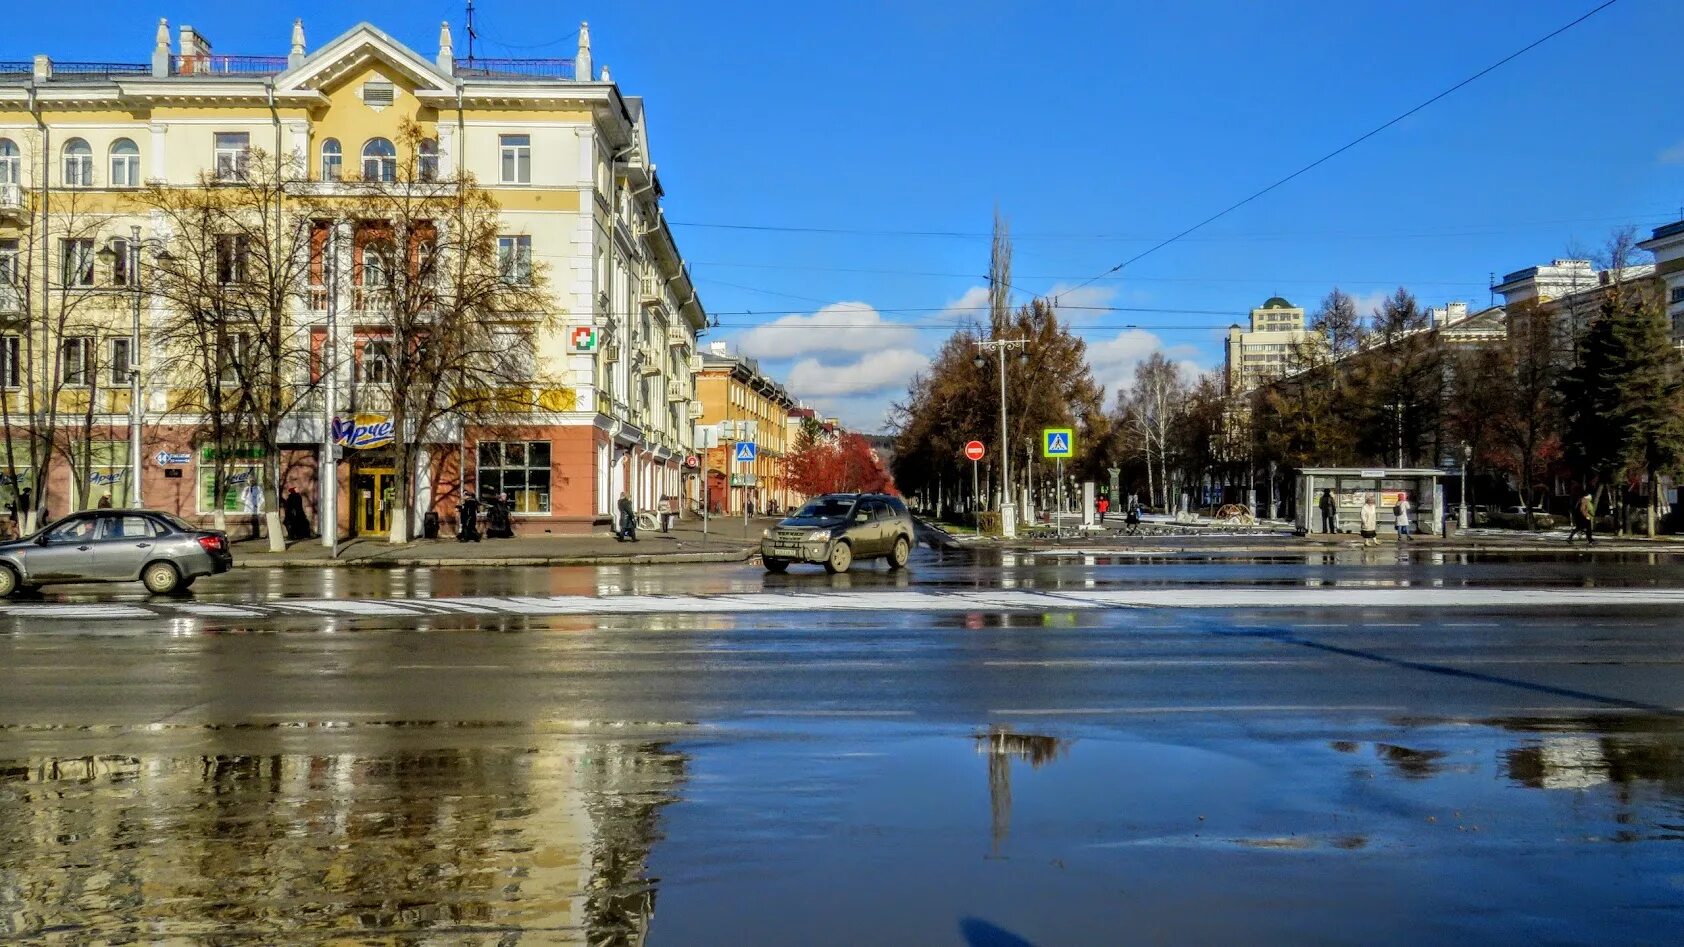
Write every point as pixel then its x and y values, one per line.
pixel 472 33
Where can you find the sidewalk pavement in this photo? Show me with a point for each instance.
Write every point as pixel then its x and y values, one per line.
pixel 1214 541
pixel 727 540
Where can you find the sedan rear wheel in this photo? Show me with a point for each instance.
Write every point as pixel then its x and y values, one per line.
pixel 160 578
pixel 841 557
pixel 8 581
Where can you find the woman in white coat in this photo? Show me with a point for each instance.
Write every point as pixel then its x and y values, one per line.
pixel 1370 521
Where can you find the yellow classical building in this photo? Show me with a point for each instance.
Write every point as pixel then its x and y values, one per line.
pixel 564 154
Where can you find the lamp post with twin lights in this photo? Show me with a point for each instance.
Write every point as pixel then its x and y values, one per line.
pixel 131 258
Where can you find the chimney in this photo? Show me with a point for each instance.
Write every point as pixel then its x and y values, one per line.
pixel 43 69
pixel 1457 311
pixel 296 56
pixel 582 62
pixel 720 349
pixel 447 54
pixel 195 52
pixel 605 77
pixel 161 50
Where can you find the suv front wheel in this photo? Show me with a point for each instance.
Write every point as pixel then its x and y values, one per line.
pixel 900 554
pixel 841 557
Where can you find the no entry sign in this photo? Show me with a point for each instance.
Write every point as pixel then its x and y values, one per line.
pixel 974 451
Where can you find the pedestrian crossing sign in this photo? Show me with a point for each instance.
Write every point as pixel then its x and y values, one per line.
pixel 746 451
pixel 1058 442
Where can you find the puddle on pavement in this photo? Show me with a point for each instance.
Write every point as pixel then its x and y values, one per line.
pixel 850 832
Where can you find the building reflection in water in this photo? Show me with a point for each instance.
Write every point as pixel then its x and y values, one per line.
pixel 1002 745
pixel 551 839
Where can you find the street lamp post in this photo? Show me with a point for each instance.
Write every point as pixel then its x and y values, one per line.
pixel 1008 510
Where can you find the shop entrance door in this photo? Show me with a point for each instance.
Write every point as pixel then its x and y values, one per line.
pixel 372 491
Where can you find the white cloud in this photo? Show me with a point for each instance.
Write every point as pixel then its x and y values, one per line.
pixel 1673 155
pixel 972 304
pixel 842 327
pixel 876 373
pixel 1113 360
pixel 1366 303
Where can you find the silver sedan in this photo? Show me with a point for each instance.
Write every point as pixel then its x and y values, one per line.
pixel 157 549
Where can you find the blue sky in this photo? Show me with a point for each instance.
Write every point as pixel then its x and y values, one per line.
pixel 1097 128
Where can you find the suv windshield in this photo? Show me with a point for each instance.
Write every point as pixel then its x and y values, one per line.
pixel 827 508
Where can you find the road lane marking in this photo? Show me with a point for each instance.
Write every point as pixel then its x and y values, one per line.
pixel 902 601
pixel 1197 709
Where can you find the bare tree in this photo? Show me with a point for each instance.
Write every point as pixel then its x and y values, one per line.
pixel 1150 410
pixel 460 301
pixel 233 278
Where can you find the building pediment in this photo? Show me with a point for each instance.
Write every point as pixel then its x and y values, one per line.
pixel 352 54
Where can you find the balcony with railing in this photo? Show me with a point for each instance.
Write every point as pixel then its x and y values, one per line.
pixel 481 68
pixel 678 389
pixel 208 65
pixel 11 199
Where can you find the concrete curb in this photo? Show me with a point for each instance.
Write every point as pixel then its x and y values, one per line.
pixel 501 562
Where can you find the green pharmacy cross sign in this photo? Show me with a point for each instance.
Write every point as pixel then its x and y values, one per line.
pixel 1058 442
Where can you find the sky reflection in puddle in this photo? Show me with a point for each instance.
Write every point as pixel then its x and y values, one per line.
pixel 834 831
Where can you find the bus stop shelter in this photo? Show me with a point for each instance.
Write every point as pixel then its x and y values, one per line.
pixel 1350 485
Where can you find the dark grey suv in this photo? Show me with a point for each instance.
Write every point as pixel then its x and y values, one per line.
pixel 161 551
pixel 838 528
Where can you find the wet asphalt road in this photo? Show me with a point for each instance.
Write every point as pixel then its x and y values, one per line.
pixel 257 763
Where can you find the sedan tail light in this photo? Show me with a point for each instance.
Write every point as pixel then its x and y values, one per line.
pixel 212 543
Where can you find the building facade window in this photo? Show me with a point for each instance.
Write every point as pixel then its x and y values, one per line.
pixel 232 150
pixel 427 161
pixel 76 361
pixel 11 163
pixel 125 164
pixel 242 486
pixel 233 358
pixel 374 366
pixel 1677 294
pixel 380 161
pixel 519 470
pixel 514 259
pixel 119 261
pixel 515 165
pixel 10 297
pixel 333 160
pixel 78 164
pixel 11 361
pixel 231 254
pixel 119 363
pixel 76 259
pixel 99 474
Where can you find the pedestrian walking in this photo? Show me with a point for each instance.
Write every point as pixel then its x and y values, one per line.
pixel 1104 506
pixel 628 520
pixel 104 502
pixel 1403 517
pixel 467 523
pixel 1329 511
pixel 1370 521
pixel 1584 519
pixel 499 524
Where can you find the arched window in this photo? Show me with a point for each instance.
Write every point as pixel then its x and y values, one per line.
pixel 380 161
pixel 427 162
pixel 78 164
pixel 11 166
pixel 125 164
pixel 333 160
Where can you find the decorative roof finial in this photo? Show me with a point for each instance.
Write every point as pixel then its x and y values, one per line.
pixel 605 77
pixel 582 62
pixel 447 53
pixel 297 40
pixel 161 50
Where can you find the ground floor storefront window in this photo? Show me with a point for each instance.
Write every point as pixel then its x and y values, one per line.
pixel 242 486
pixel 518 469
pixel 100 474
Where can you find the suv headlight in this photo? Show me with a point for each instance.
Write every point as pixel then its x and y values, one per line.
pixel 819 536
pixel 766 534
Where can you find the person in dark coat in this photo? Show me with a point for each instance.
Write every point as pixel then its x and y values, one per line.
pixel 293 518
pixel 467 523
pixel 628 520
pixel 498 523
pixel 1329 512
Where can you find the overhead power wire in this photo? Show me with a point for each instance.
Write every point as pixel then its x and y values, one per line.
pixel 1351 144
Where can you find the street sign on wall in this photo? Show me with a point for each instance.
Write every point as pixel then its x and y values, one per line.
pixel 1058 442
pixel 974 450
pixel 745 451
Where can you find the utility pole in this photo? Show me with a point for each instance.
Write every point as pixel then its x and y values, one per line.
pixel 136 409
pixel 1008 510
pixel 327 468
